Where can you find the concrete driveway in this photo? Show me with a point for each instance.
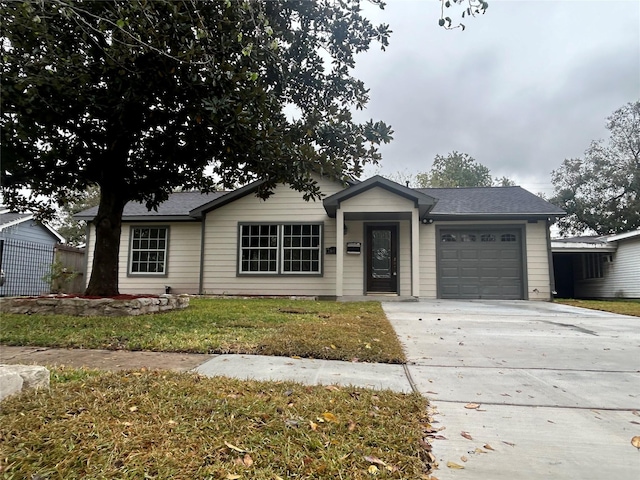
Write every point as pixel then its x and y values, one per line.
pixel 558 387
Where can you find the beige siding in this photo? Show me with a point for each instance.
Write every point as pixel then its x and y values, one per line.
pixel 428 273
pixel 377 200
pixel 404 257
pixel 183 260
pixel 621 277
pixel 284 206
pixel 353 274
pixel 538 278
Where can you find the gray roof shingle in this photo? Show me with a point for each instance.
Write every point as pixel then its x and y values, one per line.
pixel 450 201
pixel 488 200
pixel 11 217
pixel 177 206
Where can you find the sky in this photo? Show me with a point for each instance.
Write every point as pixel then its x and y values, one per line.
pixel 523 87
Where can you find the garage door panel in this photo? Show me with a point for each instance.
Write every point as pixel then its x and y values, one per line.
pixel 509 254
pixel 490 272
pixel 469 290
pixel 489 267
pixel 470 270
pixel 468 255
pixel 449 254
pixel 489 254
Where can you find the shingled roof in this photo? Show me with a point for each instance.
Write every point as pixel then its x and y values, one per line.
pixel 488 201
pixel 176 207
pixel 474 202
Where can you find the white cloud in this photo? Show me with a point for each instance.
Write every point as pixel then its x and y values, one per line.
pixel 522 88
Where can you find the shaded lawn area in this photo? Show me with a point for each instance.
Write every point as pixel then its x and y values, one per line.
pixel 624 307
pixel 154 424
pixel 312 329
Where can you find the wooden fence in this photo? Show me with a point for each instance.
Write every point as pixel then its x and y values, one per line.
pixel 68 270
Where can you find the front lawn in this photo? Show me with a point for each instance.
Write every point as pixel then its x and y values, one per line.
pixel 623 307
pixel 356 331
pixel 151 424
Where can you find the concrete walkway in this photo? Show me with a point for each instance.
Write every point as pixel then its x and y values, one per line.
pixel 377 376
pixel 554 391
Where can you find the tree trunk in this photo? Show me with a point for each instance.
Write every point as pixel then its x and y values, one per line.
pixel 108 223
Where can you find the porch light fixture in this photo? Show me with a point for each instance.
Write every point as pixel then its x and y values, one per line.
pixel 427 220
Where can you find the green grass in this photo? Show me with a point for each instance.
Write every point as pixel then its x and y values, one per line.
pixel 624 307
pixel 151 424
pixel 311 329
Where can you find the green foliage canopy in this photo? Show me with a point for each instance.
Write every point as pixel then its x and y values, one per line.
pixel 139 98
pixel 601 191
pixel 455 170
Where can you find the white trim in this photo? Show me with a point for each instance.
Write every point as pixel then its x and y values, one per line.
pixel 17 221
pixel 28 218
pixel 623 236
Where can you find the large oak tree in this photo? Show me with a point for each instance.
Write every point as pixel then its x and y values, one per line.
pixel 601 191
pixel 141 97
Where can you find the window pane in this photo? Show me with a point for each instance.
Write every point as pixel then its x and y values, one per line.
pixel 258 248
pixel 148 249
pixel 301 246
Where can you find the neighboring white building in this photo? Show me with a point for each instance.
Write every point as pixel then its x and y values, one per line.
pixel 374 237
pixel 598 266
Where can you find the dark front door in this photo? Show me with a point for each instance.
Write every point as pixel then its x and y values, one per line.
pixel 382 259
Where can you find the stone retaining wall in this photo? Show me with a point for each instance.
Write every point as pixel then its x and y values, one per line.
pixel 93 307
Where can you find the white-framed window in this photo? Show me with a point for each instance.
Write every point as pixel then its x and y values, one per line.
pixel 148 250
pixel 592 266
pixel 280 249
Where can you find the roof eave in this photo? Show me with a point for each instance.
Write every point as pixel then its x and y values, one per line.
pixel 493 216
pixel 198 212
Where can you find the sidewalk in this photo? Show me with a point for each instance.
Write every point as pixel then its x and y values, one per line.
pixel 101 359
pixel 258 367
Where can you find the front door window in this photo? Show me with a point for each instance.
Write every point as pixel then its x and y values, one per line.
pixel 382 275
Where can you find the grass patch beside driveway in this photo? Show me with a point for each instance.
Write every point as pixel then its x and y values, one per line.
pixel 310 329
pixel 622 307
pixel 142 424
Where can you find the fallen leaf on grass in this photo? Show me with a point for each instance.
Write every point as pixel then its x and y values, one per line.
pixel 232 476
pixel 247 460
pixel 373 470
pixel 635 441
pixel 233 447
pixel 472 406
pixel 133 409
pixel 454 465
pixel 466 435
pixel 372 459
pixel 352 426
pixel 313 425
pixel 329 417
